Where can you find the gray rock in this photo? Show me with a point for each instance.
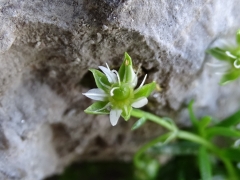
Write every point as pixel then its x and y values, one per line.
pixel 46 48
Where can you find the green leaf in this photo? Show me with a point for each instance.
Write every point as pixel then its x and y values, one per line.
pixel 139 123
pixel 218 53
pixel 204 164
pixel 145 90
pixel 204 122
pixel 126 114
pixel 230 76
pixel 222 131
pixel 232 153
pixel 100 79
pixel 192 115
pixel 238 37
pixel 97 108
pixel 231 120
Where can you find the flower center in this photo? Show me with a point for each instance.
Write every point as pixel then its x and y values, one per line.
pixel 121 93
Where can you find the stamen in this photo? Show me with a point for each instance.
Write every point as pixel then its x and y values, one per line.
pixel 230 55
pixel 114 71
pixel 111 92
pixel 108 66
pixel 141 84
pixel 143 81
pixel 236 65
pixel 139 66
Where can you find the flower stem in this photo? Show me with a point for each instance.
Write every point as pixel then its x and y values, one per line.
pixel 139 114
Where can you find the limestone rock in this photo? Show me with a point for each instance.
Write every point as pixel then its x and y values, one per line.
pixel 46 48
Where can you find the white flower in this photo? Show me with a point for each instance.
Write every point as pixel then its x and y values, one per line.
pixel 115 92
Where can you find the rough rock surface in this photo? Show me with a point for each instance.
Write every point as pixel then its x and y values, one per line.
pixel 46 47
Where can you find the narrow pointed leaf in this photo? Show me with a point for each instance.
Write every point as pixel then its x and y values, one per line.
pixel 139 123
pixel 204 122
pixel 232 154
pixel 238 37
pixel 204 164
pixel 218 53
pixel 228 77
pixel 222 131
pixel 126 114
pixel 97 108
pixel 145 90
pixel 231 120
pixel 100 79
pixel 192 115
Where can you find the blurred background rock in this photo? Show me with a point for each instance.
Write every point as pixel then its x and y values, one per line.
pixel 46 48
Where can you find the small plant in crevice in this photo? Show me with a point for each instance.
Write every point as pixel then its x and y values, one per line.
pixel 230 54
pixel 116 95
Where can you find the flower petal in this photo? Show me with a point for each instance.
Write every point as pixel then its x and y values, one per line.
pixel 112 78
pixel 114 116
pixel 133 81
pixel 96 94
pixel 140 102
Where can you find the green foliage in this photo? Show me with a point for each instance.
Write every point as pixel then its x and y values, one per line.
pixel 232 120
pixel 238 37
pixel 232 154
pixel 222 131
pixel 200 143
pixel 204 164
